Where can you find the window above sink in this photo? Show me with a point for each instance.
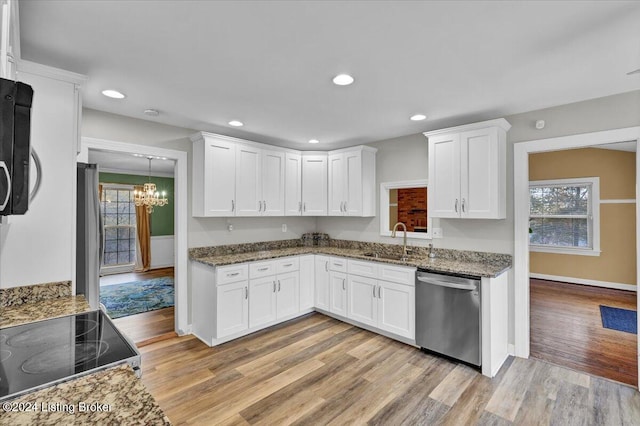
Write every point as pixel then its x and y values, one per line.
pixel 406 202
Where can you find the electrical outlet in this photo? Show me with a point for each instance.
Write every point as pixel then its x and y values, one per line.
pixel 437 233
pixel 284 227
pixel 230 227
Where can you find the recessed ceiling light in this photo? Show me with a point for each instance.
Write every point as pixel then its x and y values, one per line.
pixel 343 79
pixel 151 112
pixel 236 123
pixel 138 155
pixel 418 117
pixel 110 93
pixel 314 141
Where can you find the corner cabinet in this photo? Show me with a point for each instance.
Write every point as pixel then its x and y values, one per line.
pixel 467 171
pixel 352 177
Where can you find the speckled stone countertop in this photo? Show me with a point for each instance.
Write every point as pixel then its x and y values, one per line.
pixel 478 264
pixel 42 309
pixel 111 397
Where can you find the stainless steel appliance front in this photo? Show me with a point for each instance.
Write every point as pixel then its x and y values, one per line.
pixel 448 316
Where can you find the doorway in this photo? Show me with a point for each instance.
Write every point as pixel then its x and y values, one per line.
pixel 172 262
pixel 522 152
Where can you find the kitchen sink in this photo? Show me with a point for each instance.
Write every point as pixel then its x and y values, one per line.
pixel 385 256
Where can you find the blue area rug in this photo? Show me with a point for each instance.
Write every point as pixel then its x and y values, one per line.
pixel 122 300
pixel 619 319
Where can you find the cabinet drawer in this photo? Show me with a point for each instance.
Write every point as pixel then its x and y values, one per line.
pixel 337 264
pixel 397 274
pixel 262 269
pixel 232 273
pixel 288 264
pixel 364 269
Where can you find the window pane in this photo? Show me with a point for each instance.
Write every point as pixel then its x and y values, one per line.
pixel 118 213
pixel 111 234
pixel 559 232
pixel 559 200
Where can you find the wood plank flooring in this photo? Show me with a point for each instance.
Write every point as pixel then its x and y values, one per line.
pixel 566 329
pixel 146 327
pixel 318 370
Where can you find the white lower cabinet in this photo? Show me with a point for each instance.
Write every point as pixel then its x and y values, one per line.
pixel 287 295
pixel 363 304
pixel 322 289
pixel 307 281
pixel 396 308
pixel 262 308
pixel 338 293
pixel 232 308
pixel 384 305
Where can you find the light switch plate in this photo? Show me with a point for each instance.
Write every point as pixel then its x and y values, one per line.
pixel 284 227
pixel 437 233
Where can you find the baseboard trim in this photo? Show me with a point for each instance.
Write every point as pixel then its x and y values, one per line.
pixel 595 283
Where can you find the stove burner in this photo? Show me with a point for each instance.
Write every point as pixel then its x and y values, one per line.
pixel 4 355
pixel 65 356
pixel 46 334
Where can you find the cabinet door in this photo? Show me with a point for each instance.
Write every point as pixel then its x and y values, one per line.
pixel 272 183
pixel 362 299
pixel 262 300
pixel 219 178
pixel 322 289
pixel 396 309
pixel 314 185
pixel 338 293
pixel 232 308
pixel 336 184
pixel 479 179
pixel 353 183
pixel 248 181
pixel 307 279
pixel 293 185
pixel 288 294
pixel 444 176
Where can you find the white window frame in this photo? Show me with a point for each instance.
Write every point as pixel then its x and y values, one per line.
pixel 125 267
pixel 385 187
pixel 594 210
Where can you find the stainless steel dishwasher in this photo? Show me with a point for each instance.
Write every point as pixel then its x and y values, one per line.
pixel 448 316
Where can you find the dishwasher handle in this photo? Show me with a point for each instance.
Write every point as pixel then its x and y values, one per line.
pixel 469 287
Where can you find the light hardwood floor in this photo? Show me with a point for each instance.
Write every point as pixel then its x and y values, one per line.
pixel 150 326
pixel 317 370
pixel 566 329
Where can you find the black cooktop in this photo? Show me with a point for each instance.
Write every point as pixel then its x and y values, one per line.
pixel 42 353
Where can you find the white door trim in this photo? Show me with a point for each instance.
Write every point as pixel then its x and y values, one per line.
pixel 180 208
pixel 521 153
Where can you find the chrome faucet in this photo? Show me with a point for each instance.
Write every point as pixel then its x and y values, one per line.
pixel 432 255
pixel 404 244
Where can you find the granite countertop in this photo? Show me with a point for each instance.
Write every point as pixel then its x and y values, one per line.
pixel 113 396
pixel 43 309
pixel 128 400
pixel 491 267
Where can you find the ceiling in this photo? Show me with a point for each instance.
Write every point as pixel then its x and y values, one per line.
pixel 270 63
pixel 125 163
pixel 619 146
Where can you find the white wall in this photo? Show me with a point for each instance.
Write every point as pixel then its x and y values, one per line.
pixel 162 251
pixel 202 231
pixel 38 247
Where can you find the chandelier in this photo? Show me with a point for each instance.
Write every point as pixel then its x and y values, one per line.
pixel 149 197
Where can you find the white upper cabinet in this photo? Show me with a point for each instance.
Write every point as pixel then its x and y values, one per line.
pixel 248 178
pixel 293 184
pixel 467 171
pixel 352 182
pixel 9 39
pixel 259 182
pixel 214 176
pixel 314 184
